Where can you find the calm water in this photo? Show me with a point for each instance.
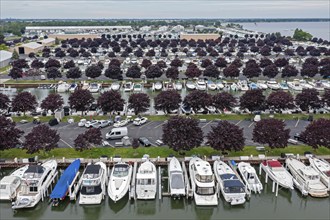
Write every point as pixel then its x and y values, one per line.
pixel 317 29
pixel 288 205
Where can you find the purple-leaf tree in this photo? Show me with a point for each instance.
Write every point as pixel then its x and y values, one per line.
pixel 154 71
pixel 9 134
pixel 308 98
pixel 80 100
pixel 223 101
pixel 73 73
pixel 114 72
pixel 211 71
pixel 280 100
pixel 24 101
pixel 93 71
pixel 4 102
pixel 172 73
pixel 252 100
pixel 140 102
pixel 167 101
pixel 15 73
pixel 133 72
pixel 317 133
pixel 52 102
pixel 272 132
pixel 198 99
pixel 231 71
pixel 41 138
pixel 111 101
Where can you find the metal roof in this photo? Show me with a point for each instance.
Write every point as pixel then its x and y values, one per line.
pixel 76 27
pixel 48 40
pixel 32 45
pixel 5 55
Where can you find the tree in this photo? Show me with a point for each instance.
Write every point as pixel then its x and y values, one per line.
pixel 309 70
pixel 52 63
pixel 231 71
pixel 93 71
pixel 114 72
pixel 154 71
pixel 135 143
pixel 280 100
pixel 226 137
pixel 176 63
pixel 140 102
pixel 289 71
pixel 15 73
pixel 251 69
pixel 167 101
pixel 84 141
pixel 301 35
pixel 206 62
pixel 272 132
pixel 308 98
pixel 270 71
pixel 80 100
pixel 20 63
pixel 37 64
pixel 9 134
pixel 53 72
pixel 252 100
pixel 73 73
pixel 4 102
pixel 325 71
pixel 182 134
pixel 198 99
pixel 193 71
pixel 111 101
pixel 326 97
pixel 162 64
pixel 133 72
pixel 172 72
pixel 211 71
pixel 15 55
pixel 265 51
pixel 281 62
pixel 41 138
pixel 24 101
pixel 69 64
pixel 52 102
pixel 146 63
pixel 223 100
pixel 317 133
pixel 221 62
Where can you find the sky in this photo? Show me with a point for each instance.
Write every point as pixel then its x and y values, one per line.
pixel 99 9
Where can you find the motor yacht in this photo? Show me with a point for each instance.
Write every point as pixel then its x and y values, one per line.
pixel 201 85
pixel 250 177
pixel 325 84
pixel 146 181
pixel 63 87
pixel 211 85
pixel 317 85
pixel 128 86
pixel 190 85
pixel 277 173
pixel 272 84
pixel 284 86
pixel 157 86
pixel 234 87
pixel 306 178
pixel 253 86
pixel 295 85
pixel 305 85
pixel 262 84
pixel 94 87
pixel 73 87
pixel 137 87
pixel 176 178
pixel 115 86
pixel 178 86
pixel 232 189
pixel 323 167
pixel 168 86
pixel 93 185
pixel 120 180
pixel 202 182
pixel 34 184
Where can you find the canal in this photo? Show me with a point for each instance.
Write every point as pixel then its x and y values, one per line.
pixel 288 205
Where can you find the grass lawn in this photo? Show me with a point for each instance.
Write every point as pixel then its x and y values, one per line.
pixel 4 69
pixel 128 152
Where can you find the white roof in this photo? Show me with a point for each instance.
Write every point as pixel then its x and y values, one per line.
pixel 32 45
pixel 48 40
pixel 5 55
pixel 76 27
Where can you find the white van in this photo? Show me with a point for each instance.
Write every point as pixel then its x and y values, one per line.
pixel 117 133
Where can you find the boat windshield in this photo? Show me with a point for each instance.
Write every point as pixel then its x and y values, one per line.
pixel 312 177
pixel 91 190
pixel 233 186
pixel 204 178
pixel 177 181
pixel 205 190
pixel 146 182
pixel 120 171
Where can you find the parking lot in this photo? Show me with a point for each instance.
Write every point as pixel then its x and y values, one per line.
pixel 153 130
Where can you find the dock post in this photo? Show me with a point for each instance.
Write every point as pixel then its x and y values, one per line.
pixel 260 169
pixel 273 188
pixel 266 178
pixel 276 194
pixel 160 184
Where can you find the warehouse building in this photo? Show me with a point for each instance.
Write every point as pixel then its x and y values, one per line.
pixel 32 47
pixel 5 57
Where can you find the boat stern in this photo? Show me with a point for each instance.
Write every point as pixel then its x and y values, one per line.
pixel 90 199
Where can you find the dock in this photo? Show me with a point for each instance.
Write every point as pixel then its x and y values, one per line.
pixel 131 190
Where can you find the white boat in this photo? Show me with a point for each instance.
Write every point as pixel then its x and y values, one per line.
pixel 120 180
pixel 115 86
pixel 242 85
pixel 93 185
pixel 34 184
pixel 137 87
pixel 211 85
pixel 250 177
pixel 9 185
pixel 178 86
pixel 202 182
pixel 272 84
pixel 128 86
pixel 158 86
pixel 63 87
pixel 201 85
pixel 276 172
pixel 323 167
pixel 219 85
pixel 146 181
pixel 316 84
pixel 94 87
pixel 232 189
pixel 176 178
pixel 234 87
pixel 295 85
pixel 306 178
pixel 325 84
pixel 262 84
pixel 168 86
pixel 190 85
pixel 73 87
pixel 305 85
pixel 85 86
pixel 284 86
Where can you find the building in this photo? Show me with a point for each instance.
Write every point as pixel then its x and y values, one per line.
pixel 75 29
pixel 32 47
pixel 5 57
pixel 47 42
pixel 72 36
pixel 199 36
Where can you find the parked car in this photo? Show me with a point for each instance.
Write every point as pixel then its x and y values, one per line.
pixel 144 141
pixel 89 124
pixel 82 122
pixel 122 123
pixel 101 124
pixel 140 121
pixel 298 137
pixel 116 133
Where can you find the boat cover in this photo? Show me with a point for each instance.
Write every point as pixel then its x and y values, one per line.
pixel 92 169
pixel 233 183
pixel 177 180
pixel 66 179
pixel 228 176
pixel 274 163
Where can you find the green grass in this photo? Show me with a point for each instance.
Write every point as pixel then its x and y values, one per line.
pixel 157 151
pixel 5 69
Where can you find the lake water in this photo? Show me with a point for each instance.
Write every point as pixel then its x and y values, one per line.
pixel 288 205
pixel 317 29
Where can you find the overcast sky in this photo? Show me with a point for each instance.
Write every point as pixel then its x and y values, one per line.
pixel 165 9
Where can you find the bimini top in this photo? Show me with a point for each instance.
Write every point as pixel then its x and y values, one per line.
pixel 65 181
pixel 274 163
pixel 35 169
pixel 93 169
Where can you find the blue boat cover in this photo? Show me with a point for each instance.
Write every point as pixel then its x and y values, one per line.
pixel 66 179
pixel 233 183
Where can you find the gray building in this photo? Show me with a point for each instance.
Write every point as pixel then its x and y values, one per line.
pixel 5 58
